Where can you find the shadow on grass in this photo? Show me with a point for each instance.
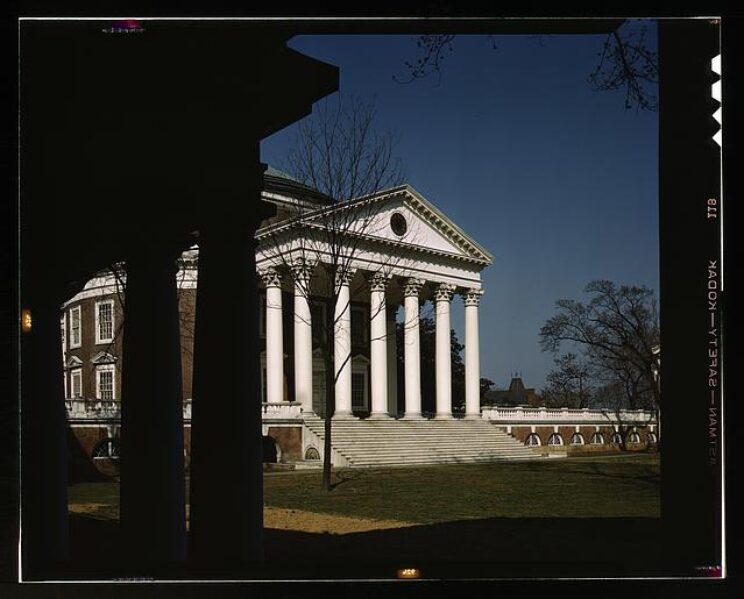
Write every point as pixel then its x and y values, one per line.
pixel 346 475
pixel 650 474
pixel 487 548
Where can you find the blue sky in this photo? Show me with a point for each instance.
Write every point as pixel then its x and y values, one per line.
pixel 558 181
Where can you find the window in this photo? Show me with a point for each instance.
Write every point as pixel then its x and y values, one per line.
pixel 398 224
pixel 577 439
pixel 75 328
pixel 105 382
pixel 651 438
pixel 317 316
pixel 359 391
pixel 634 437
pixel 616 438
pixel 105 321
pixel 533 440
pixel 597 439
pixel 109 448
pixel 359 320
pixel 319 392
pixel 555 439
pixel 76 383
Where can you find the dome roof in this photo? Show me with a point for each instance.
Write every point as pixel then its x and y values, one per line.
pixel 280 182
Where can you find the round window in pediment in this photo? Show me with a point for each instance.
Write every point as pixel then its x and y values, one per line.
pixel 398 224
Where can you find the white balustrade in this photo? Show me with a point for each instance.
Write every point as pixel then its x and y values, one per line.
pixel 528 415
pixel 281 410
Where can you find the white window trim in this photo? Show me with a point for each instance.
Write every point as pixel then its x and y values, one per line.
pixel 360 365
pixel 106 368
pixel 557 436
pixel 533 436
pixel 76 373
pixel 99 339
pixel 64 336
pixel 79 343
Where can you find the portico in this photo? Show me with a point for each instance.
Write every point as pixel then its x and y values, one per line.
pixel 410 254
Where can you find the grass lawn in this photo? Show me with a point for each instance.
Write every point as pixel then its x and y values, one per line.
pixel 606 487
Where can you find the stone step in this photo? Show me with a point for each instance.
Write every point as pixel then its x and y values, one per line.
pixel 448 460
pixel 428 442
pixel 424 453
pixel 398 422
pixel 419 429
pixel 426 447
pixel 366 443
pixel 440 459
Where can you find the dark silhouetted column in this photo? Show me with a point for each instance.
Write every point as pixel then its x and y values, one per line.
pixel 153 519
pixel 226 521
pixel 44 519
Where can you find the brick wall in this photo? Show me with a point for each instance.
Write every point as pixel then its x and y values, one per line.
pixel 522 432
pixel 89 348
pixel 289 439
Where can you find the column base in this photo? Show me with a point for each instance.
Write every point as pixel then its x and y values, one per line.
pixel 444 416
pixel 473 417
pixel 415 416
pixel 343 416
pixel 380 416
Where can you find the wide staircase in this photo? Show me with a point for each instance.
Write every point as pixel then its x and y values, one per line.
pixel 369 443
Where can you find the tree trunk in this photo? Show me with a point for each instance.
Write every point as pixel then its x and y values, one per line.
pixel 327 335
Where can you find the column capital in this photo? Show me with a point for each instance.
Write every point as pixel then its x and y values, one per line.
pixel 378 281
pixel 344 275
pixel 302 269
pixel 270 276
pixel 472 297
pixel 412 287
pixel 444 292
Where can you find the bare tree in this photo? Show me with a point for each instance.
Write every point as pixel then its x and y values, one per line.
pixel 569 383
pixel 337 152
pixel 626 61
pixel 618 331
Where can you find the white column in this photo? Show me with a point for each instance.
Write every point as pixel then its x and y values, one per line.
pixel 412 348
pixel 378 346
pixel 471 299
pixel 443 297
pixel 303 336
pixel 274 336
pixel 342 343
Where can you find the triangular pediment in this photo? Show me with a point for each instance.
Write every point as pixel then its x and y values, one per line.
pixel 74 362
pixel 401 217
pixel 103 357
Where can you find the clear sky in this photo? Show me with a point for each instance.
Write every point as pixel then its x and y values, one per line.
pixel 558 181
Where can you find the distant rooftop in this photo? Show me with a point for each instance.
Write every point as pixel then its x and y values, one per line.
pixel 516 395
pixel 275 172
pixel 280 182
